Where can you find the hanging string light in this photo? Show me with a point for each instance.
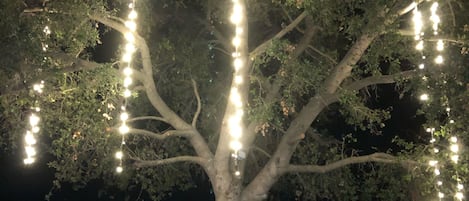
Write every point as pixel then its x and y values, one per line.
pixel 129 50
pixel 30 138
pixel 235 120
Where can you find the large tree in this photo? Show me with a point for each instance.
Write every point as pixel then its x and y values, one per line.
pixel 311 65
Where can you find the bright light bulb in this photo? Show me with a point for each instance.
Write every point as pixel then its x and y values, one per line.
pixel 33 120
pixel 460 187
pixel 439 183
pixel 437 172
pixel 128 71
pixel 419 45
pixel 119 169
pixel 30 139
pixel 421 66
pixel 131 25
pixel 127 93
pixel 236 145
pixel 119 155
pixel 127 81
pixel 440 45
pixel 127 57
pixel 436 150
pixel 439 59
pixel 454 148
pixel 29 161
pixel 237 173
pixel 129 37
pixel 432 162
pixel 424 97
pixel 30 151
pixel 453 139
pixel 441 195
pixel 459 195
pixel 236 42
pixel 129 47
pixel 124 129
pixel 132 15
pixel 124 116
pixel 238 64
pixel 455 158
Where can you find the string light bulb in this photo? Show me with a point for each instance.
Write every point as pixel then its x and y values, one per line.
pixel 30 136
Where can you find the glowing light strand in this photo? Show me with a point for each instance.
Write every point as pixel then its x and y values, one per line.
pixel 129 50
pixel 30 138
pixel 236 101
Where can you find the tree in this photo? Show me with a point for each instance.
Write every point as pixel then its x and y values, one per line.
pixel 308 62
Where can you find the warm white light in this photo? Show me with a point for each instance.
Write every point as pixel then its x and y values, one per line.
pixel 132 15
pixel 441 195
pixel 437 171
pixel 440 45
pixel 459 195
pixel 129 47
pixel 30 139
pixel 436 150
pixel 30 151
pixel 460 187
pixel 453 139
pixel 432 162
pixel 424 97
pixel 419 45
pixel 421 66
pixel 119 155
pixel 127 71
pixel 119 169
pixel 454 148
pixel 238 64
pixel 237 173
pixel 29 161
pixel 124 116
pixel 455 158
pixel 124 129
pixel 127 81
pixel 127 93
pixel 236 145
pixel 129 37
pixel 131 25
pixel 439 183
pixel 439 59
pixel 33 120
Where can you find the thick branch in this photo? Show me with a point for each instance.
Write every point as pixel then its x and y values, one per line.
pixel 376 157
pixel 382 79
pixel 262 47
pixel 191 159
pixel 164 135
pixel 197 141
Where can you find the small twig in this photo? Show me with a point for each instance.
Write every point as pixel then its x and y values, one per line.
pixel 147 118
pixel 199 104
pixel 322 54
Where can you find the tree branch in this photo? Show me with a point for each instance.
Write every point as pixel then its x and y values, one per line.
pixel 262 47
pixel 138 163
pixel 382 79
pixel 375 157
pixel 199 104
pixel 164 135
pixel 147 118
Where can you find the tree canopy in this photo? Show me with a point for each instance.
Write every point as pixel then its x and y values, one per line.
pixel 327 86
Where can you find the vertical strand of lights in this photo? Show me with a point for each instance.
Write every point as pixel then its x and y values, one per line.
pixel 236 101
pixel 435 19
pixel 129 50
pixel 420 46
pixel 454 154
pixel 30 138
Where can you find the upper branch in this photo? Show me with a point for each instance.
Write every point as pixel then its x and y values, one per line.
pixel 164 135
pixel 375 157
pixel 262 47
pixel 138 163
pixel 199 104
